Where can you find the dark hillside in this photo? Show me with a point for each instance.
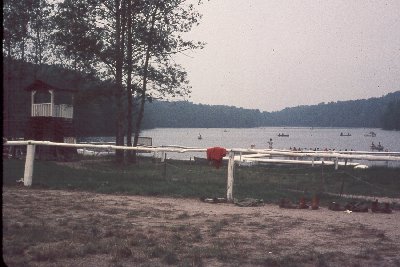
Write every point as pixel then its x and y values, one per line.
pixel 353 113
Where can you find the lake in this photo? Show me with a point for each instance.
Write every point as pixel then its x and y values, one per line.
pixel 302 137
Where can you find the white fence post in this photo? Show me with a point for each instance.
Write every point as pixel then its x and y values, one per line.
pixel 336 163
pixel 229 187
pixel 30 157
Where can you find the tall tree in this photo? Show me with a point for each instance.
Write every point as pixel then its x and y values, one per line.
pixel 161 39
pixel 40 27
pixel 15 32
pixel 93 32
pixel 133 41
pixel 132 8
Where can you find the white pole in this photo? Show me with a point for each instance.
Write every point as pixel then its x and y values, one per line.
pixel 32 102
pixel 229 187
pixel 51 102
pixel 162 156
pixel 30 157
pixel 336 163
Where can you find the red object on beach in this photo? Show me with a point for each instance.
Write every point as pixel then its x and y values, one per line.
pixel 216 154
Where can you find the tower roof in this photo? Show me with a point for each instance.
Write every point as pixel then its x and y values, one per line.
pixel 39 85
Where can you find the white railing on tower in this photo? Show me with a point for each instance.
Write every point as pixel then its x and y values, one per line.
pixel 44 110
pixel 41 110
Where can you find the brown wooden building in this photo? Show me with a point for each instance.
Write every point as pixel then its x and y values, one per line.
pixel 51 119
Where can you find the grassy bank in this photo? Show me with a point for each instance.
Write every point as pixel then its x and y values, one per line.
pixel 187 179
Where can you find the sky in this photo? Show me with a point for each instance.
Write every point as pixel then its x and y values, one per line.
pixel 272 54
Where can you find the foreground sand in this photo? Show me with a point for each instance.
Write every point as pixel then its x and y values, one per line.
pixel 70 228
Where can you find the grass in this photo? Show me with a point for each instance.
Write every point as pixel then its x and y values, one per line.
pixel 186 179
pixel 217 227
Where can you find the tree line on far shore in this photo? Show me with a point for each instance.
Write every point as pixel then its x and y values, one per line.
pixel 382 112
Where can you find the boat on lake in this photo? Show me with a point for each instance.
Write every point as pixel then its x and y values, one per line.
pixel 199 137
pixel 283 135
pixel 370 134
pixel 342 134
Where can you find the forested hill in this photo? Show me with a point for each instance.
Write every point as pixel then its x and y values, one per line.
pixel 183 114
pixel 374 112
pixel 370 112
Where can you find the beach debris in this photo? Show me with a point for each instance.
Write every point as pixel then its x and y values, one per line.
pixel 375 207
pixel 302 203
pixel 287 204
pixel 361 166
pixel 395 205
pixel 213 199
pixel 249 202
pixel 357 206
pixel 315 203
pixel 336 207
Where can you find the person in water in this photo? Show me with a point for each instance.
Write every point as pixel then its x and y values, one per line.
pixel 270 143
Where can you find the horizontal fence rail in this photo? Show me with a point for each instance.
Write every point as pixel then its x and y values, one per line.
pixel 362 155
pixel 242 155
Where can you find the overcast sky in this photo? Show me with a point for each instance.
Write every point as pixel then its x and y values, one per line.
pixel 269 55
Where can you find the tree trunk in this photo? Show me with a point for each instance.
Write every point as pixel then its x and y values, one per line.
pixel 8 92
pixel 129 93
pixel 119 136
pixel 144 85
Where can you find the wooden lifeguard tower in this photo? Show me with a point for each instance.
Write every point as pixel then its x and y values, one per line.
pixel 51 119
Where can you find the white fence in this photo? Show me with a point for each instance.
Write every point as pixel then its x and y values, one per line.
pixel 242 155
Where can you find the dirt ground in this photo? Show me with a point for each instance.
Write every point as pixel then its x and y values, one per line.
pixel 71 228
